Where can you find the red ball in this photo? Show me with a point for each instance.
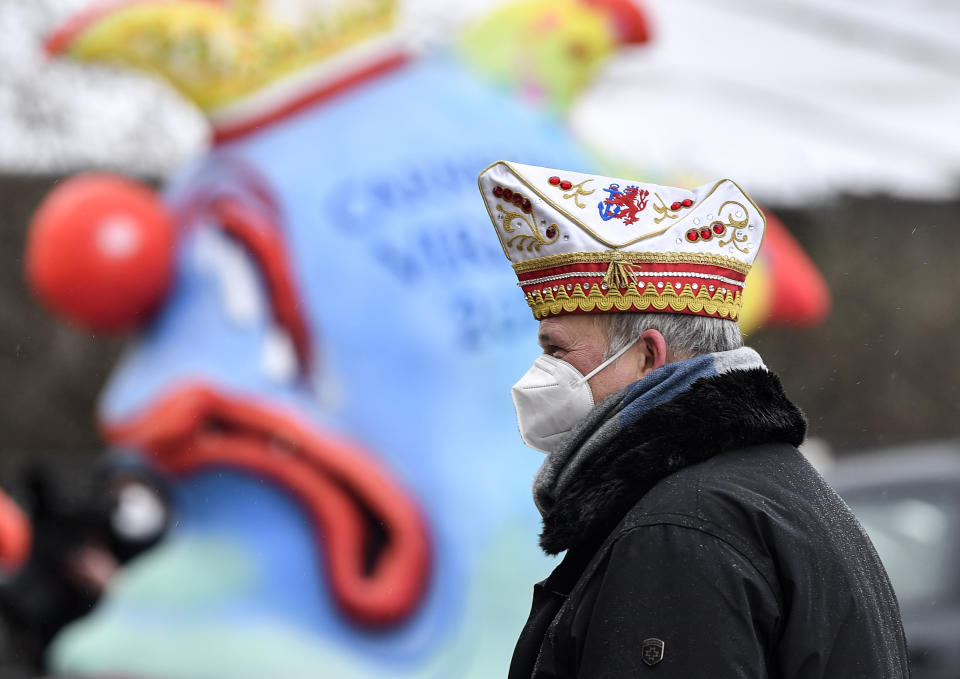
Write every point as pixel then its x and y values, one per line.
pixel 100 252
pixel 554 180
pixel 687 202
pixel 675 206
pixel 16 536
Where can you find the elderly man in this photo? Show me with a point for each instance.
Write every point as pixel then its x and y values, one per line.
pixel 699 542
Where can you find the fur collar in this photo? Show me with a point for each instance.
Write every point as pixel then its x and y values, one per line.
pixel 716 414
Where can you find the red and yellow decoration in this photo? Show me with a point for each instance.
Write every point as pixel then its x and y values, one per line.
pixel 548 51
pixel 239 60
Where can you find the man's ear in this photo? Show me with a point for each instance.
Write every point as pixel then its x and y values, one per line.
pixel 654 350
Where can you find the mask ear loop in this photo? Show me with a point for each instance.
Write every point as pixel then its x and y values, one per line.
pixel 610 360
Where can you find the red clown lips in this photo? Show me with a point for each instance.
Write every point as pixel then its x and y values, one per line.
pixel 376 544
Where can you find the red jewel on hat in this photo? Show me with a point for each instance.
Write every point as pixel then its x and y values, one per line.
pixel 554 180
pixel 527 205
pixel 705 234
pixel 565 185
pixel 517 199
pixel 551 232
pixel 687 202
pixel 718 228
pixel 693 235
pixel 675 206
pixel 498 191
pixel 508 194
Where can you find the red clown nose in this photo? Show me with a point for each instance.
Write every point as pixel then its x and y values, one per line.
pixel 100 252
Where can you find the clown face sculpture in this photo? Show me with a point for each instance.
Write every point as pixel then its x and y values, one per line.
pixel 325 343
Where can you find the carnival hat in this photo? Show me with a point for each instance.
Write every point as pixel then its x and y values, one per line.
pixel 582 243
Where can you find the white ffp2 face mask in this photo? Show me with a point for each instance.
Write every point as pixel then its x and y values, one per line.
pixel 553 397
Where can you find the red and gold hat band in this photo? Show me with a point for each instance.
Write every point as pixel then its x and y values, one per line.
pixel 631 281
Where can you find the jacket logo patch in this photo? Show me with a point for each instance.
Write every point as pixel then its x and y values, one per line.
pixel 652 651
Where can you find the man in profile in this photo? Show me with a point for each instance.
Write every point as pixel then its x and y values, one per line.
pixel 699 542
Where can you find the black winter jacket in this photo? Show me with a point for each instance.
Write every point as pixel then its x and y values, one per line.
pixel 704 545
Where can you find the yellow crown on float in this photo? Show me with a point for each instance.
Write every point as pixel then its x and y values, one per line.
pixel 218 53
pixel 583 243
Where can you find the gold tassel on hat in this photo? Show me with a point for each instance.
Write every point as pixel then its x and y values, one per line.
pixel 618 274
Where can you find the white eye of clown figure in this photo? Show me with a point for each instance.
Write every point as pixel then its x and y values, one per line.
pixel 244 300
pixel 140 514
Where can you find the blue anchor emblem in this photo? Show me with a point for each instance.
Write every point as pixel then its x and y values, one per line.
pixel 608 212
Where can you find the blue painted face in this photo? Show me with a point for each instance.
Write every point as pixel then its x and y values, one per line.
pixel 415 331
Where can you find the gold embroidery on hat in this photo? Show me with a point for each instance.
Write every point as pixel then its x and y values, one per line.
pixel 633 258
pixel 596 236
pixel 577 190
pixel 522 241
pixel 618 273
pixel 662 210
pixel 736 227
pixel 725 304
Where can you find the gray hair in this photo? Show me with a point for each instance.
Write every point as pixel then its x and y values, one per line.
pixel 686 335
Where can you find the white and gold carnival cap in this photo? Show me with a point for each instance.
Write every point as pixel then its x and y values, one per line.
pixel 582 243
